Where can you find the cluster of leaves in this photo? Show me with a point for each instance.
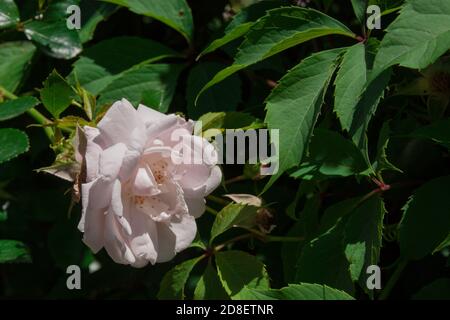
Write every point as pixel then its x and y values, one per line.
pixel 364 137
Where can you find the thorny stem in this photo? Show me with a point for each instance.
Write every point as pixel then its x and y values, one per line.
pixel 36 115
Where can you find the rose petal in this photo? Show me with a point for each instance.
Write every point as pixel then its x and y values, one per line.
pixel 115 244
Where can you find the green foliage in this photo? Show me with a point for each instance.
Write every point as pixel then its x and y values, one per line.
pixel 173 283
pixel 285 28
pixel 9 14
pixel 427 26
pixel 56 95
pixel 294 106
pixel 106 61
pixel 233 215
pixel 364 138
pixel 302 291
pixel 424 224
pixel 174 13
pixel 13 142
pixel 152 85
pixel 15 58
pixel 209 286
pixel 12 251
pixel 13 108
pixel 239 270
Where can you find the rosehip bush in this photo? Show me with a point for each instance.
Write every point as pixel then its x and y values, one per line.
pixel 354 96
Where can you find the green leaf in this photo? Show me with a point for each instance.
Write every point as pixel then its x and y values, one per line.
pixel 381 162
pixel 15 58
pixel 57 94
pixel 217 98
pixel 174 13
pixel 229 120
pixel 209 286
pixel 294 105
pixel 340 158
pixel 54 38
pixel 437 290
pixel 363 238
pixel 438 132
pixel 277 31
pixel 419 35
pixel 152 85
pixel 336 211
pixel 443 244
pixel 12 251
pixel 13 108
pixel 241 24
pixel 366 108
pixel 350 82
pixel 104 62
pixel 359 7
pixel 306 228
pixel 238 270
pixel 233 215
pixel 323 260
pixel 93 13
pixel 302 291
pixel 9 14
pixel 172 285
pixel 3 215
pixel 13 142
pixel 426 222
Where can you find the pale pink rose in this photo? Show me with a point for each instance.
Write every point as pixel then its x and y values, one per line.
pixel 138 203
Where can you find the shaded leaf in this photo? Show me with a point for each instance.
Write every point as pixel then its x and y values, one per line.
pixel 57 94
pixel 16 107
pixel 13 142
pixel 152 85
pixel 172 285
pixel 209 286
pixel 233 215
pixel 104 62
pixel 15 58
pixel 426 222
pixel 302 291
pixel 174 13
pixel 12 251
pixel 238 270
pixel 215 99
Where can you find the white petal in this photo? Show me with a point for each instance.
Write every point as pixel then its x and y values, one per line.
pixel 92 219
pixel 115 244
pixel 116 207
pixel 185 230
pixel 144 183
pixel 144 237
pixel 214 180
pixel 111 160
pixel 166 243
pixel 118 123
pixel 196 206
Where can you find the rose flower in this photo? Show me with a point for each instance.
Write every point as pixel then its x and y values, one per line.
pixel 139 199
